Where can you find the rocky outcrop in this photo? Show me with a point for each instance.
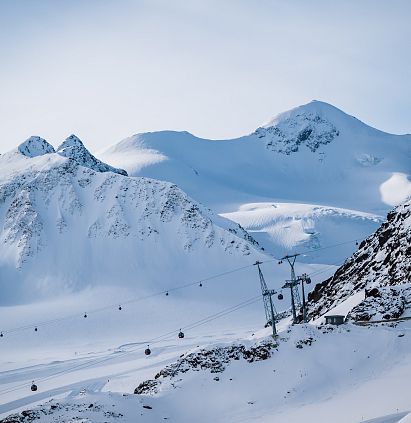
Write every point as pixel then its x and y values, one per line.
pixel 74 149
pixel 382 260
pixel 215 360
pixel 35 146
pixel 303 129
pixel 78 411
pixel 381 304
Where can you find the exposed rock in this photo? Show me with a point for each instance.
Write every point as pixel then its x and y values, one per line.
pixel 74 149
pixel 215 360
pixel 146 386
pixel 381 304
pixel 304 129
pixel 65 412
pixel 35 146
pixel 382 260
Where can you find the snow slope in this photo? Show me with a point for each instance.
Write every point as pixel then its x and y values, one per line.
pixel 78 241
pixel 310 373
pixel 309 228
pixel 95 265
pixel 312 155
pixel 67 222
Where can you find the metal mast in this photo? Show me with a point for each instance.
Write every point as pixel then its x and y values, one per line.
pixel 270 312
pixel 293 285
pixel 304 279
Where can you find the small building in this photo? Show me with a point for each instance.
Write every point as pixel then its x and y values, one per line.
pixel 335 319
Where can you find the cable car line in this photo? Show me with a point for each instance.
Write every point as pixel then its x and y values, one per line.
pixel 163 292
pixel 333 246
pixel 152 341
pixel 133 300
pixel 161 338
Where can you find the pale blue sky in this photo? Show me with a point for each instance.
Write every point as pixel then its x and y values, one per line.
pixel 106 69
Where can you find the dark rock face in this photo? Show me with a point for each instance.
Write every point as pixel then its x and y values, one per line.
pixel 382 260
pixel 214 360
pixel 381 304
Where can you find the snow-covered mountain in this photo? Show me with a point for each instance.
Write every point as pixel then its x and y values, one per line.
pixel 381 268
pixel 69 221
pixel 313 155
pixel 92 242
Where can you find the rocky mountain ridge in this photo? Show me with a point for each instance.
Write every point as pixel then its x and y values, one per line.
pixel 381 267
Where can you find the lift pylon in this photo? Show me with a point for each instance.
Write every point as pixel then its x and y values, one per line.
pixel 293 285
pixel 270 311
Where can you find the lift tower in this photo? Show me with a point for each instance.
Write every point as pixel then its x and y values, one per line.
pixel 293 285
pixel 270 312
pixel 304 278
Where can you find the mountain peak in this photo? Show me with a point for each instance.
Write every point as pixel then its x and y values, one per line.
pixel 35 146
pixel 73 148
pixel 311 125
pixel 315 108
pixel 71 141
